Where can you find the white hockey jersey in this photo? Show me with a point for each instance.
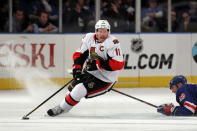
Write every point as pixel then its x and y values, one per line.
pixel 109 50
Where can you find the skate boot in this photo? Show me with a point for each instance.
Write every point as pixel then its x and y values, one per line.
pixel 55 111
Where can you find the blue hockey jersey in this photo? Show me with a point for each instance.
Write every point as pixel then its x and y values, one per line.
pixel 186 96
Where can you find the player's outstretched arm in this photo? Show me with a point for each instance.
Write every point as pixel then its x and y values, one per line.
pixel 166 109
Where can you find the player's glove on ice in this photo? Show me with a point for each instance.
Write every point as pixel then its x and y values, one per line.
pixel 77 74
pixel 166 109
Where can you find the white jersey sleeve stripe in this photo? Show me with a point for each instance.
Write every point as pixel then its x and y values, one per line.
pixel 190 106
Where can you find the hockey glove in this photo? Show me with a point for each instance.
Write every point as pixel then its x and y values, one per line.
pixel 166 109
pixel 77 74
pixel 91 65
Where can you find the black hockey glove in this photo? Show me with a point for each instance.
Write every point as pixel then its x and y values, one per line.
pixel 104 64
pixel 91 65
pixel 77 74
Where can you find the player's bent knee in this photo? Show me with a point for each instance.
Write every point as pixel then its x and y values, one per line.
pixel 78 92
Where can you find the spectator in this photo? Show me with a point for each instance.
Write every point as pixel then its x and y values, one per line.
pixel 185 21
pixel 150 15
pixel 162 23
pixel 20 23
pixel 66 10
pixel 114 12
pixel 187 15
pixel 104 8
pixel 77 19
pixel 186 24
pixel 88 7
pixel 175 23
pixel 193 11
pixel 34 8
pixel 189 18
pixel 51 8
pixel 43 5
pixel 129 6
pixel 89 4
pixel 43 25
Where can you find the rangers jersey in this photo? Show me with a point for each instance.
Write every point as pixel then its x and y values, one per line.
pixel 186 96
pixel 109 51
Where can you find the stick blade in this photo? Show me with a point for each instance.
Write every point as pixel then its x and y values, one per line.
pixel 25 118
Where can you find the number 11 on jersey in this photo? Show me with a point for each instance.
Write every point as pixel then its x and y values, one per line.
pixel 117 52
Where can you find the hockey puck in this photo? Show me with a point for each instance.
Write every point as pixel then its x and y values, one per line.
pixel 25 118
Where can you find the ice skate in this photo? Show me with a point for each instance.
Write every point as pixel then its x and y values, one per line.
pixel 55 111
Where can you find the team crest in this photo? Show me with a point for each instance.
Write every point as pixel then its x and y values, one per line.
pixel 91 85
pixel 182 97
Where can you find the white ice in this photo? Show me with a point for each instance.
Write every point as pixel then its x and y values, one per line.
pixel 109 112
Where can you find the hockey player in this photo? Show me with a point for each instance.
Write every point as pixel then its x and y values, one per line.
pixel 102 55
pixel 186 96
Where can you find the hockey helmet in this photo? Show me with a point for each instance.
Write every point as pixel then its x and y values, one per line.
pixel 102 24
pixel 177 79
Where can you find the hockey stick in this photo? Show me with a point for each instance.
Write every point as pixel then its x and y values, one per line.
pixel 25 117
pixel 134 98
pixel 94 55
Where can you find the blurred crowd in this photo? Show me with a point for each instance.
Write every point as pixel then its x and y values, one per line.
pixel 38 16
pixel 42 16
pixel 183 16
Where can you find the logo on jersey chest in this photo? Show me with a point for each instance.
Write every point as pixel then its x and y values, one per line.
pixel 182 96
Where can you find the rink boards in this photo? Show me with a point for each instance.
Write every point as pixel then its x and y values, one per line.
pixel 151 60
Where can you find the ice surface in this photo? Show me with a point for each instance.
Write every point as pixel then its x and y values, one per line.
pixel 109 112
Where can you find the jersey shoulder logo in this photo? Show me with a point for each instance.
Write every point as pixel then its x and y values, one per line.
pixel 115 41
pixel 182 96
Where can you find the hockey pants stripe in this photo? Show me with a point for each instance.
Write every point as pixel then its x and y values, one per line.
pixel 100 91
